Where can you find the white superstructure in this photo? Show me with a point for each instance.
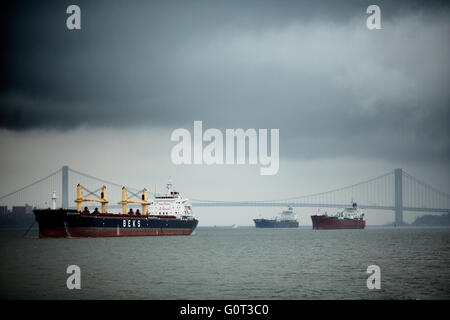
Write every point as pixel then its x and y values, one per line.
pixel 287 215
pixel 353 212
pixel 170 204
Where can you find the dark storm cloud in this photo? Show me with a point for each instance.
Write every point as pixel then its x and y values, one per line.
pixel 310 68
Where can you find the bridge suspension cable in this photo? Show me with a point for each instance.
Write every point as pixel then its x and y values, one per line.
pixel 395 190
pixel 427 186
pixel 31 184
pixel 101 180
pixel 313 194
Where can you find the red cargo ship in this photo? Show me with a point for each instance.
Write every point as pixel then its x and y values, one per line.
pixel 347 218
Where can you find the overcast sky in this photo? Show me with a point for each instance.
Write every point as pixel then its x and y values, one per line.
pixel 350 103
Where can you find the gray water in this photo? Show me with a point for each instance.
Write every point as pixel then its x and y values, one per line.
pixel 243 263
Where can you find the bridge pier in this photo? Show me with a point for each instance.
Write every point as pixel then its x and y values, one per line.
pixel 65 187
pixel 398 173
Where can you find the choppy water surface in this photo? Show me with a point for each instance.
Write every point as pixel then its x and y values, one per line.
pixel 243 263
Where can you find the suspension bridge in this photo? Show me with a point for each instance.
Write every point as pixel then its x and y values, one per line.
pixel 396 190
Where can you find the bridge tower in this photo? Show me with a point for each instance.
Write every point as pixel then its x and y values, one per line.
pixel 398 173
pixel 65 187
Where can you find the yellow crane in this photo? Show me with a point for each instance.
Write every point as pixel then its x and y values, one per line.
pixel 125 201
pixel 80 199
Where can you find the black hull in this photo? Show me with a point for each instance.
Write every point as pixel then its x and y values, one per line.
pixel 266 223
pixel 73 224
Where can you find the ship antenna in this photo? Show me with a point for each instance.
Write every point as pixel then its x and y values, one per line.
pixel 169 186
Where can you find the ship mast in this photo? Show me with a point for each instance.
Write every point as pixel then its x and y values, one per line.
pixel 169 187
pixel 54 200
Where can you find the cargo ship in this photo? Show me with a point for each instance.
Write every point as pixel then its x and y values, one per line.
pixel 167 214
pixel 347 218
pixel 286 219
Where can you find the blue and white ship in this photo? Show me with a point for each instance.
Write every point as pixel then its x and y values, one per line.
pixel 286 219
